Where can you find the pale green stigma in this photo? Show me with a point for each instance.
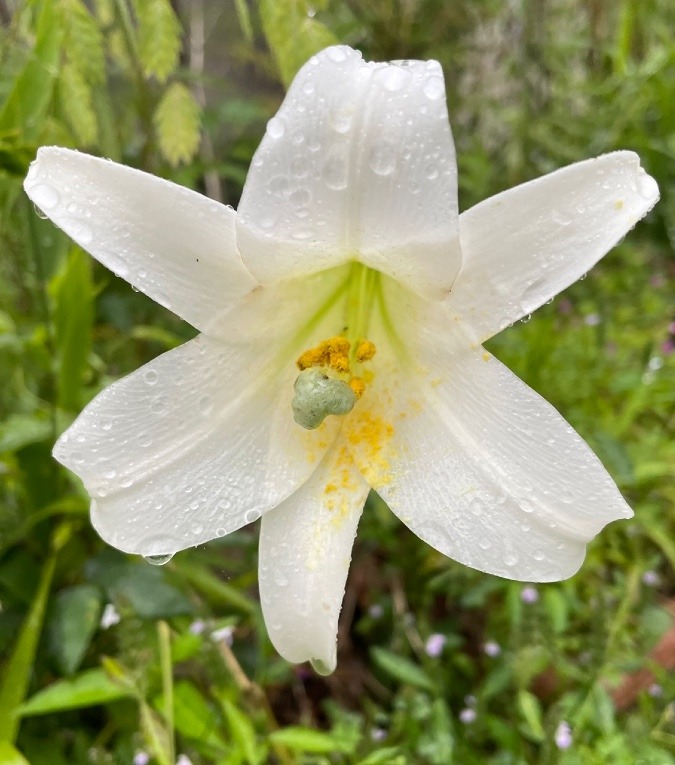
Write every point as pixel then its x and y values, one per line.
pixel 317 395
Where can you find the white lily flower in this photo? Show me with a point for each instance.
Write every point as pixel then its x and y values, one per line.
pixel 348 253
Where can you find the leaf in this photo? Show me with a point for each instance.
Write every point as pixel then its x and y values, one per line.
pixel 11 756
pixel 73 621
pixel 389 755
pixel 401 669
pixel 87 689
pixel 72 292
pixel 242 732
pixel 531 712
pixel 244 17
pixel 149 595
pixel 661 538
pixel 159 38
pixel 217 592
pixel 301 739
pixel 20 430
pixel 27 103
pixel 193 717
pixel 75 98
pixel 178 122
pixel 85 42
pixel 20 665
pixel 293 36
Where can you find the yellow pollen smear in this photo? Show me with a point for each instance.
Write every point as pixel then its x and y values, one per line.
pixel 370 434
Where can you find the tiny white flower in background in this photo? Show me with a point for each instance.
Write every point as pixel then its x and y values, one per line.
pixel 110 617
pixel 435 644
pixel 651 579
pixel 183 759
pixel 468 716
pixel 375 611
pixel 347 254
pixel 224 635
pixel 592 319
pixel 492 648
pixel 470 700
pixel 141 758
pixel 655 690
pixel 563 735
pixel 378 734
pixel 197 627
pixel 529 595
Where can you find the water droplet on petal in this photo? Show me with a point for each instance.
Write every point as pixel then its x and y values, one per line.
pixel 647 186
pixel 341 119
pixel 394 78
pixel 510 559
pixel 158 560
pixel 45 196
pixel 434 88
pixel 336 54
pixel 150 376
pixel 77 230
pixel 276 128
pixel 335 174
pixel 382 159
pixel 252 515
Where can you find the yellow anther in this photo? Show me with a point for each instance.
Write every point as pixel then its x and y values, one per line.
pixel 358 386
pixel 332 353
pixel 365 350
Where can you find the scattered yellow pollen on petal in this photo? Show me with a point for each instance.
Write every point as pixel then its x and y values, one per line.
pixel 618 204
pixel 486 356
pixel 370 433
pixel 365 350
pixel 330 488
pixel 358 386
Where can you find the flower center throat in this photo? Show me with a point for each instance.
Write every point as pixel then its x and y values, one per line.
pixel 332 374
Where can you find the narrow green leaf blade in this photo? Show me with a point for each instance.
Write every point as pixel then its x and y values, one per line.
pixel 19 668
pixel 88 689
pixel 401 669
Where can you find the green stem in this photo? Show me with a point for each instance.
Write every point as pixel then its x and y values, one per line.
pixel 164 639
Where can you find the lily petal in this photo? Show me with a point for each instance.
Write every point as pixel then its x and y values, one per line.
pixel 358 163
pixel 305 550
pixel 176 246
pixel 487 472
pixel 523 246
pixel 201 440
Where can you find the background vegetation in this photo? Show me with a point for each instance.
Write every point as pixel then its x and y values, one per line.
pixel 106 659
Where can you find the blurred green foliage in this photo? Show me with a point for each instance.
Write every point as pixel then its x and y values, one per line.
pixel 104 656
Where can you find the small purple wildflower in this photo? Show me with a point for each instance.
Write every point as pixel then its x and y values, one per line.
pixel 375 611
pixel 563 735
pixel 668 346
pixel 378 734
pixel 529 594
pixel 468 716
pixel 435 644
pixel 492 648
pixel 141 758
pixel 651 579
pixel 655 690
pixel 592 319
